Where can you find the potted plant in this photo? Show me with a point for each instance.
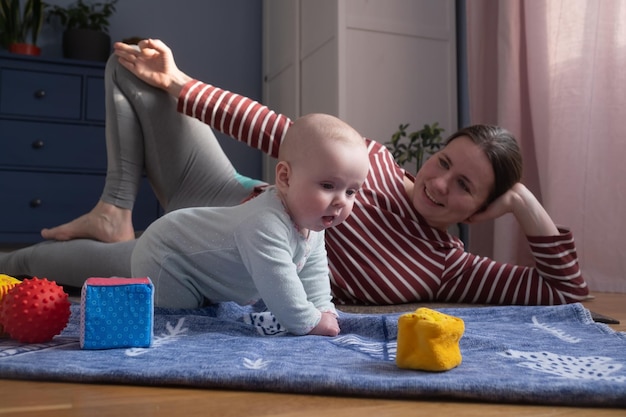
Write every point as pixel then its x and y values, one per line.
pixel 16 25
pixel 86 28
pixel 425 141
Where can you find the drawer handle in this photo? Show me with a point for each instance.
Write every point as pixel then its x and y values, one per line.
pixel 38 144
pixel 40 93
pixel 35 202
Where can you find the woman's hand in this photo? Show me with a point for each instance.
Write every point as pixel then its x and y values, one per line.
pixel 497 208
pixel 529 213
pixel 328 325
pixel 153 62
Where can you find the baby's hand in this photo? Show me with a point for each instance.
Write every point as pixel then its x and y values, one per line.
pixel 328 325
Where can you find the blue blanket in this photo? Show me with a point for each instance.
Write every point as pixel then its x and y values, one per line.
pixel 539 355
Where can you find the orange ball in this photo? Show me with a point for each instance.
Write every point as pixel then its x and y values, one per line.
pixel 34 311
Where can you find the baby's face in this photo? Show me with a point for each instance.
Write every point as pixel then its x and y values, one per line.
pixel 322 188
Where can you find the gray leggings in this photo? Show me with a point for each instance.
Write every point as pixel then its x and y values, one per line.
pixel 183 161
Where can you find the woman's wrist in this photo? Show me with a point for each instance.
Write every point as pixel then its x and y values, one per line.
pixel 177 83
pixel 530 214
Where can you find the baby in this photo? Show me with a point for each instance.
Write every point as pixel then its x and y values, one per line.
pixel 270 247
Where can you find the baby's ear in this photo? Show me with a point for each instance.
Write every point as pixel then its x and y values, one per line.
pixel 283 172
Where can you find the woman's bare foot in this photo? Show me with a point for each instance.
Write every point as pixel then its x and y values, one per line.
pixel 105 223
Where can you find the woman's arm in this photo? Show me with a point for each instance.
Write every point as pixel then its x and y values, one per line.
pixel 554 279
pixel 529 213
pixel 234 115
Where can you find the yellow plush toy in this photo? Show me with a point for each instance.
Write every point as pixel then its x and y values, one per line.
pixel 429 340
pixel 6 283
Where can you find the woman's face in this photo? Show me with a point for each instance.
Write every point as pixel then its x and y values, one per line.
pixel 453 184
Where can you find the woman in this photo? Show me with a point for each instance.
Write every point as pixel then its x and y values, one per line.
pixel 394 248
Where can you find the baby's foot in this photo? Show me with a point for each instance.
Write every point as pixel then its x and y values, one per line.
pixel 105 223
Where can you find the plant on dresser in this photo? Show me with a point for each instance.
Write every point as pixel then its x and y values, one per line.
pixel 86 28
pixel 52 146
pixel 19 29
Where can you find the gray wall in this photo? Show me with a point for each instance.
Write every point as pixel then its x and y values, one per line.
pixel 216 41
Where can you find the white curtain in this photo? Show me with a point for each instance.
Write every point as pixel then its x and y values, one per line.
pixel 554 73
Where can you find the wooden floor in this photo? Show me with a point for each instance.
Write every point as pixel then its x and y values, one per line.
pixel 48 399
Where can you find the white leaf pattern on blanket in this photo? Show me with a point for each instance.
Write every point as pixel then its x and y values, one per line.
pixel 258 364
pixel 553 331
pixel 173 333
pixel 378 350
pixel 594 368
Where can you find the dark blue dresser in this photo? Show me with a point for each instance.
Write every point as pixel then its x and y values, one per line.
pixel 52 146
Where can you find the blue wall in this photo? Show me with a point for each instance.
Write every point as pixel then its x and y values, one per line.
pixel 216 41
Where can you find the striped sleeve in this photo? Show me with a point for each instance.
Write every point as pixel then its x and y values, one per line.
pixel 234 115
pixel 555 279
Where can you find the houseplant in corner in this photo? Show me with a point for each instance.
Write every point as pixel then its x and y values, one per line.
pixel 422 142
pixel 86 28
pixel 16 26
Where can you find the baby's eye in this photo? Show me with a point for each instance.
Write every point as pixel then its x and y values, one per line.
pixel 443 163
pixel 350 192
pixel 327 186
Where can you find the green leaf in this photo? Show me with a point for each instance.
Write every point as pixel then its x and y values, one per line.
pixel 406 147
pixel 17 24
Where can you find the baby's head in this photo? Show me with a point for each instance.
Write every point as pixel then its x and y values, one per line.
pixel 322 164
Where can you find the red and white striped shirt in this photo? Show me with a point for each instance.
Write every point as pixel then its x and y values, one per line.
pixel 384 252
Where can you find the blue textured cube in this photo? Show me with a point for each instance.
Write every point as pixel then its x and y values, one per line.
pixel 116 313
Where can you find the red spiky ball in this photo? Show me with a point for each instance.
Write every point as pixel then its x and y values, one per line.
pixel 34 311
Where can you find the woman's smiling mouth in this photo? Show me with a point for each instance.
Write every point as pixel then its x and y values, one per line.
pixel 431 198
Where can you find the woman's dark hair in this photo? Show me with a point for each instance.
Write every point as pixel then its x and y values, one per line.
pixel 502 150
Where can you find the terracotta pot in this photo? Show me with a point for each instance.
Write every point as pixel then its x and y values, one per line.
pixel 24 49
pixel 86 44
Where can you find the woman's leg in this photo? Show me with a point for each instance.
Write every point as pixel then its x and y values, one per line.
pixel 145 134
pixel 70 263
